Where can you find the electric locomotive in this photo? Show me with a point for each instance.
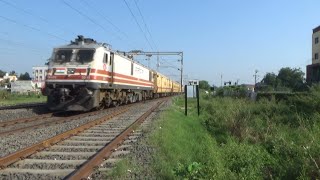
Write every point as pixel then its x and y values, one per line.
pixel 85 74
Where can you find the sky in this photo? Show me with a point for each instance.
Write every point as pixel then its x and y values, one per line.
pixel 228 38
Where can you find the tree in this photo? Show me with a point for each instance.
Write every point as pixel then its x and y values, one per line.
pixel 12 73
pixel 291 78
pixel 24 76
pixel 270 79
pixel 2 73
pixel 204 85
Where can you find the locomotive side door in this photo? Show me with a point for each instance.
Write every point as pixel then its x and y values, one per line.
pixel 111 66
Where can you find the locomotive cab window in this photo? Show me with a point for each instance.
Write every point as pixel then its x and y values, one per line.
pixel 62 56
pixel 105 58
pixel 84 56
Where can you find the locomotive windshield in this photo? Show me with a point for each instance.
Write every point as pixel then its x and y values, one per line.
pixel 74 56
pixel 63 56
pixel 84 56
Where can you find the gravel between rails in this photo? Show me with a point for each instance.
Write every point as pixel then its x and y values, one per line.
pixel 141 151
pixel 116 124
pixel 15 142
pixel 11 114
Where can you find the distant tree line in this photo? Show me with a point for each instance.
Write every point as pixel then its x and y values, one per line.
pixel 23 76
pixel 288 79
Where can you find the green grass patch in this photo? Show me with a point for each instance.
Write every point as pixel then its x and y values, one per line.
pixel 7 98
pixel 120 170
pixel 235 138
pixel 184 148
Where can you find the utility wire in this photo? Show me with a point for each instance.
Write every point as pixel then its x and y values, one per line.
pixel 87 17
pixel 33 28
pixel 31 14
pixel 23 10
pixel 14 51
pixel 8 42
pixel 105 18
pixel 169 63
pixel 115 28
pixel 134 17
pixel 145 24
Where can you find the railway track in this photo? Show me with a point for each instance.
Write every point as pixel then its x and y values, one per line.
pixel 20 106
pixel 76 153
pixel 32 123
pixel 25 120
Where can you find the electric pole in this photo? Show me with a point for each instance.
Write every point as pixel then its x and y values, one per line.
pixel 255 77
pixel 158 63
pixel 221 81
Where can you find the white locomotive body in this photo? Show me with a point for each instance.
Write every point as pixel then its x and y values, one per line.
pixel 85 74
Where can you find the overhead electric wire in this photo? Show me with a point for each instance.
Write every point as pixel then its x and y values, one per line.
pixel 134 17
pixel 169 63
pixel 32 14
pixel 87 17
pixel 115 28
pixel 31 27
pixel 8 42
pixel 105 18
pixel 145 24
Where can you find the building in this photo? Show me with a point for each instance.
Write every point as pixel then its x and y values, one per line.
pixel 11 78
pixel 313 70
pixel 316 45
pixel 39 75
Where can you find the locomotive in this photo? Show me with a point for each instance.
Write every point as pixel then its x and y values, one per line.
pixel 86 75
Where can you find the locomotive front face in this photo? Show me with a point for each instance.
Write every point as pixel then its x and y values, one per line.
pixel 67 85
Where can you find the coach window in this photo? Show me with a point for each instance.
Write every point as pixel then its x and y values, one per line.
pixel 105 58
pixel 131 69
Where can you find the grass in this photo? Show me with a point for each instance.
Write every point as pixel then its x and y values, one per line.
pixel 7 98
pixel 120 170
pixel 235 138
pixel 183 147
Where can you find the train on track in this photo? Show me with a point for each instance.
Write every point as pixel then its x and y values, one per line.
pixel 85 75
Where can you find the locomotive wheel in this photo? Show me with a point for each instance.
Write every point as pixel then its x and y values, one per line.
pixel 115 103
pixel 108 102
pixel 101 106
pixel 126 100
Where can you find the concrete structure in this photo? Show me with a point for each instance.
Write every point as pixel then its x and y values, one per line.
pixel 313 70
pixel 22 87
pixel 249 87
pixel 39 75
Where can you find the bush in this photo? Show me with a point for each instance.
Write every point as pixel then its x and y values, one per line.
pixel 247 161
pixel 267 138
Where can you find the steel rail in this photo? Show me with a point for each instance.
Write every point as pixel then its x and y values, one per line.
pixel 20 106
pixel 24 120
pixel 88 167
pixel 61 120
pixel 22 154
